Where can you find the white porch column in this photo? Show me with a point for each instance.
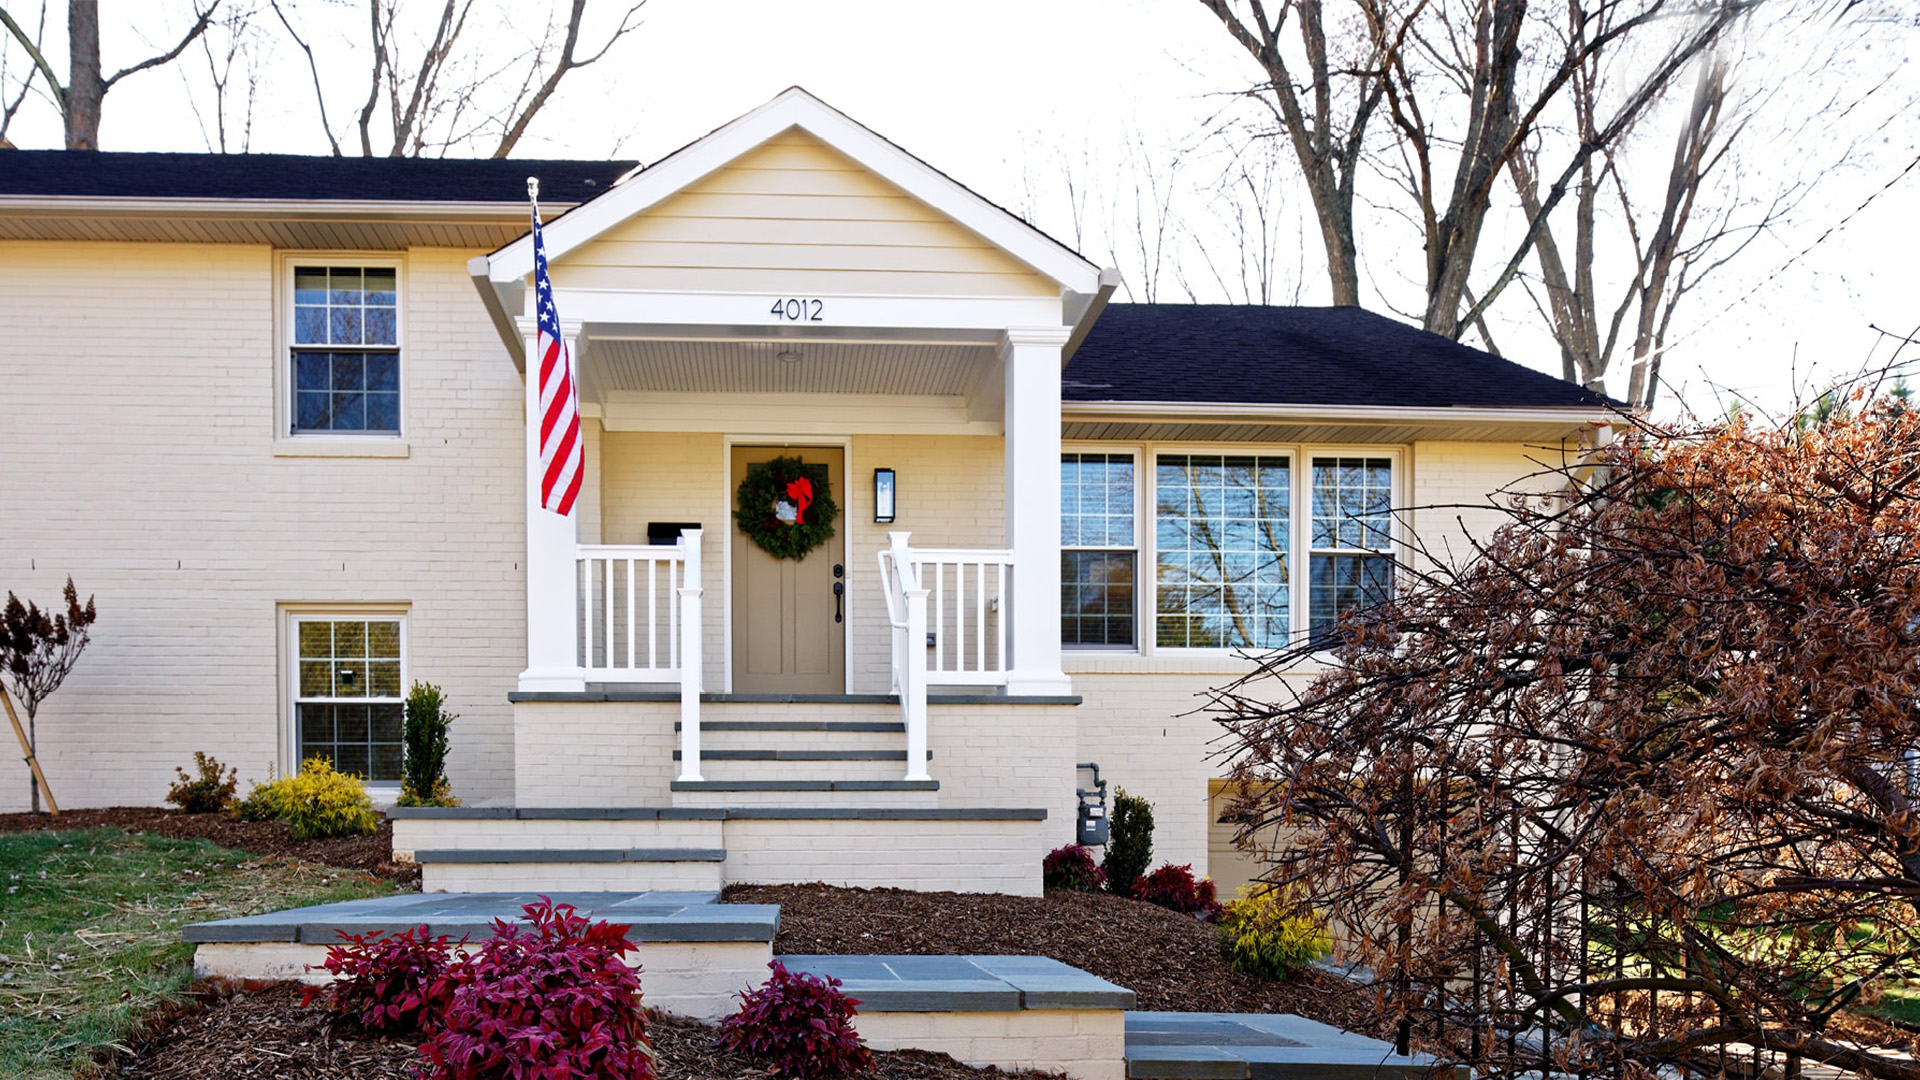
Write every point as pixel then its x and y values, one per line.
pixel 1032 356
pixel 553 614
pixel 692 658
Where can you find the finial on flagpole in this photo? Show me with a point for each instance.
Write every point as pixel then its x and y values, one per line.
pixel 533 188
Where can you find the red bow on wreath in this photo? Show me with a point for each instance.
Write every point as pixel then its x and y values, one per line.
pixel 801 492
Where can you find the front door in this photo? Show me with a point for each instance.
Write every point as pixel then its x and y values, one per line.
pixel 789 636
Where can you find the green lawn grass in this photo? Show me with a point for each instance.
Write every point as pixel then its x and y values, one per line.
pixel 90 930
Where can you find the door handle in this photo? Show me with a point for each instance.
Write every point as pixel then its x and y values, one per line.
pixel 839 596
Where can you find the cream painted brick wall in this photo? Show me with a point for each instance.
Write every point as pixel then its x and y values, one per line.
pixel 949 493
pixel 1087 1044
pixel 1457 479
pixel 646 477
pixel 958 856
pixel 696 979
pixel 601 754
pixel 139 459
pixel 1007 756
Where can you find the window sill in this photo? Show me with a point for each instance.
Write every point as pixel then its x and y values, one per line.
pixel 372 446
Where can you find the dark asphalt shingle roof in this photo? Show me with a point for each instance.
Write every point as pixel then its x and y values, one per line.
pixel 1295 356
pixel 294 176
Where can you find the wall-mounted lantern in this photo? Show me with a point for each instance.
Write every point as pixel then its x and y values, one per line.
pixel 883 496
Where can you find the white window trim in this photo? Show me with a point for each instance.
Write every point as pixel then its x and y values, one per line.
pixel 1146 534
pixel 287 443
pixel 291 615
pixel 1139 548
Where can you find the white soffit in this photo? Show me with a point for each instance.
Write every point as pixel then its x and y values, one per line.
pixel 795 108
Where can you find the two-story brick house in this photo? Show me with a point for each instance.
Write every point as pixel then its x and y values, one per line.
pixel 270 411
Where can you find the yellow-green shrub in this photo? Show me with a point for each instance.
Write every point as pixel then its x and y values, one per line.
pixel 1264 931
pixel 317 802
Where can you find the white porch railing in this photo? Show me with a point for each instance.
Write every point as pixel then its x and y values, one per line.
pixel 640 623
pixel 947 607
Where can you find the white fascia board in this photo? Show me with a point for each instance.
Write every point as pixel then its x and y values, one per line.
pixel 797 108
pixel 1254 412
pixel 263 209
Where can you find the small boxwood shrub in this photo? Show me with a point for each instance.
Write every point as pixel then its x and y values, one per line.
pixel 1129 843
pixel 1267 932
pixel 423 773
pixel 798 1023
pixel 1071 867
pixel 1174 888
pixel 209 792
pixel 390 982
pixel 317 802
pixel 556 1001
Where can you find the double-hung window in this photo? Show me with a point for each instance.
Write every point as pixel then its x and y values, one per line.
pixel 1097 553
pixel 1222 540
pixel 345 350
pixel 347 703
pixel 1352 543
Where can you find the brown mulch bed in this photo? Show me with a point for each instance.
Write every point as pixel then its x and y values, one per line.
pixel 372 853
pixel 1170 961
pixel 265 1032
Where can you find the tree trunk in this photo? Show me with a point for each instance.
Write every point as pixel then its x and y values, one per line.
pixel 84 86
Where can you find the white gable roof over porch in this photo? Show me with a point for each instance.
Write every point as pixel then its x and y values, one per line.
pixel 795 200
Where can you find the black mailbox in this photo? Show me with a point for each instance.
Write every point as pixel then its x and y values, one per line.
pixel 667 533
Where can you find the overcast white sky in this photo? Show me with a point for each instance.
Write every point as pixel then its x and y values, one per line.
pixel 999 93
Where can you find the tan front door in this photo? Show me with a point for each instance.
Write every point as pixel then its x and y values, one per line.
pixel 789 636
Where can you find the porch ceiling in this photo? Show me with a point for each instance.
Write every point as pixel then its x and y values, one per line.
pixel 824 367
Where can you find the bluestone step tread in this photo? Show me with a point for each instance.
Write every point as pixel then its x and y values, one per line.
pixel 801 755
pixel 804 785
pixel 569 855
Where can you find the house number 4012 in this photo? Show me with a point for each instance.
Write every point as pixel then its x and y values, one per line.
pixel 795 310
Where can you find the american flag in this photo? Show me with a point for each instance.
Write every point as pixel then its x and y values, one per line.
pixel 562 458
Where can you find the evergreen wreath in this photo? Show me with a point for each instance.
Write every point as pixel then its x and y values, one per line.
pixel 783 509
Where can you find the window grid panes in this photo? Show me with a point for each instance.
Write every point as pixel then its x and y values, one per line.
pixel 348 705
pixel 1222 533
pixel 346 360
pixel 1352 562
pixel 1097 559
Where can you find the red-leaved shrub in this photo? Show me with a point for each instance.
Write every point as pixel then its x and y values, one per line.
pixel 801 1024
pixel 1072 867
pixel 389 982
pixel 555 1002
pixel 1173 887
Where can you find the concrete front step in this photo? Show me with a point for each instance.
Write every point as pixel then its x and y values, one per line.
pixel 853 793
pixel 723 766
pixel 803 734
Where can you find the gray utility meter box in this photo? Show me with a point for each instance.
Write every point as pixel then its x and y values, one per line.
pixel 1093 808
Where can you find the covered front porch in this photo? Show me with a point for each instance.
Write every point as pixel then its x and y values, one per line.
pixel 794 286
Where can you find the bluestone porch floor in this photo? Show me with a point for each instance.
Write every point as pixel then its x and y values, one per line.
pixel 1159 1045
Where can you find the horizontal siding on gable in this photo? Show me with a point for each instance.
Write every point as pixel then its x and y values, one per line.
pixel 795 217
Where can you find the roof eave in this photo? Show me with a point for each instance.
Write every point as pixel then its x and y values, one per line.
pixel 113 206
pixel 1266 413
